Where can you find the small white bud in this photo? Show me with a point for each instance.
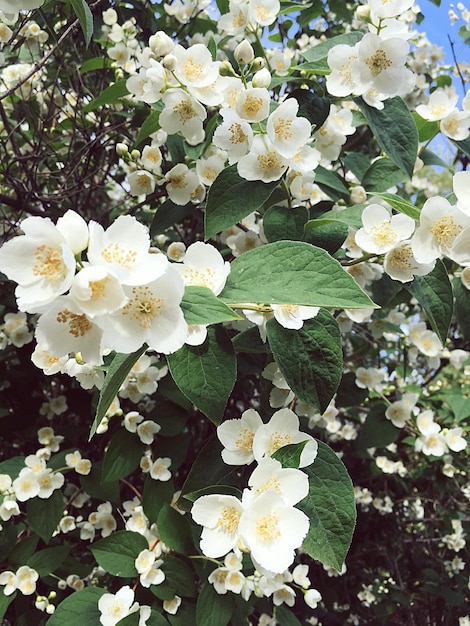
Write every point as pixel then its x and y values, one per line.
pixel 169 62
pixel 244 53
pixel 176 251
pixel 161 44
pixel 122 149
pixel 358 195
pixel 363 13
pixel 262 78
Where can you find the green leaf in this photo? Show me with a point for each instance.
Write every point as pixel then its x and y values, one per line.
pixel 122 456
pixel 45 515
pixel 156 493
pixel 429 158
pixel 206 374
pixel 292 272
pixel 208 469
pixel 150 125
pixel 310 359
pixel 97 63
pixel 280 222
pixel 169 214
pixel 330 507
pixel 434 294
pixel 231 198
pixel 377 431
pixel 327 234
pixel 319 54
pixel 213 609
pixel 357 162
pixel 93 485
pixel 201 306
pixel 463 146
pixel 47 561
pixel 179 579
pixel 5 602
pixel 23 550
pixel 351 215
pixel 400 204
pixel 111 95
pixel 462 307
pixel 289 456
pixel 313 108
pixel 175 530
pixel 120 367
pixel 331 184
pixel 395 131
pixel 381 175
pixel 85 17
pixel 117 553
pixel 426 129
pixel 460 407
pixel 79 608
pixel 12 466
pixel 212 47
pixel 285 616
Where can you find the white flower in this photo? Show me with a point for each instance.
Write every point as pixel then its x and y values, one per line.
pixel 456 125
pixel 40 261
pixel 147 430
pixel 400 264
pixel 312 597
pixel 123 249
pixel 114 607
pixel 431 441
pixel 253 104
pixel 340 60
pixel 159 469
pixel 97 291
pixel 382 231
pixel 181 184
pixel 439 105
pixel 233 135
pixel 454 439
pixel 293 315
pixel 75 230
pixel 281 430
pixel 152 315
pixel 141 182
pixel 203 265
pixel 263 162
pixel 172 606
pixel 440 225
pixel 389 8
pixel 237 436
pixel 26 485
pixel 272 530
pixel 64 329
pixel 220 516
pixel 195 67
pixel 290 483
pixel 151 158
pixel 25 581
pixel 263 12
pixel 13 6
pixel 183 113
pixel 148 84
pixel 288 133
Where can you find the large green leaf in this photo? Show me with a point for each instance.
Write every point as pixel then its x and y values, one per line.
pixel 310 359
pixel 231 198
pixel 462 307
pixel 330 507
pixel 48 560
pixel 325 233
pixel 122 456
pixel 85 17
pixel 377 431
pixel 150 125
pixel 292 272
pixel 201 306
pixel 117 553
pixel 179 580
pixel 111 95
pixel 331 183
pixel 434 293
pixel 175 530
pixel 400 204
pixel 79 608
pixel 312 107
pixel 213 609
pixel 206 374
pixel 44 515
pixel 156 493
pixel 120 367
pixel 154 619
pixel 382 175
pixel 168 214
pixel 281 222
pixel 395 131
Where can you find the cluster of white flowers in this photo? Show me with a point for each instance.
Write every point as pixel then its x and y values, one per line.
pixel 15 331
pixel 265 521
pixel 434 441
pixel 114 607
pixel 23 580
pixel 455 541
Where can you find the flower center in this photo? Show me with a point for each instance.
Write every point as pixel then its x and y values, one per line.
pixel 113 253
pixel 79 325
pixel 267 528
pixel 228 519
pixel 378 62
pixel 49 263
pixel 445 230
pixel 278 441
pixel 143 307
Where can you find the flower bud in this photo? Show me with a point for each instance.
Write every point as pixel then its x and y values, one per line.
pixel 244 53
pixel 358 195
pixel 161 44
pixel 170 62
pixel 122 149
pixel 363 13
pixel 135 154
pixel 258 64
pixel 226 69
pixel 262 78
pixel 176 251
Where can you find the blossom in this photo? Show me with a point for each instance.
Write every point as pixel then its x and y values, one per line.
pixel 141 182
pixel 40 261
pixel 281 430
pixel 288 133
pixel 183 113
pixel 236 435
pixel 401 265
pixel 220 517
pixel 431 440
pixel 97 291
pixel 152 315
pixel 203 265
pixel 195 67
pixel 272 530
pixel 439 105
pixel 181 184
pixel 123 249
pixel 263 162
pixel 159 469
pixel 290 483
pixel 440 226
pixel 461 185
pixel 293 315
pixel 253 104
pixel 382 231
pixel 114 607
pixel 234 135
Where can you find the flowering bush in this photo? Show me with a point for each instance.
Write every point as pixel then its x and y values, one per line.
pixel 235 338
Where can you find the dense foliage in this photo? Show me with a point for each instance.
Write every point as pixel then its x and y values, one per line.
pixel 235 340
